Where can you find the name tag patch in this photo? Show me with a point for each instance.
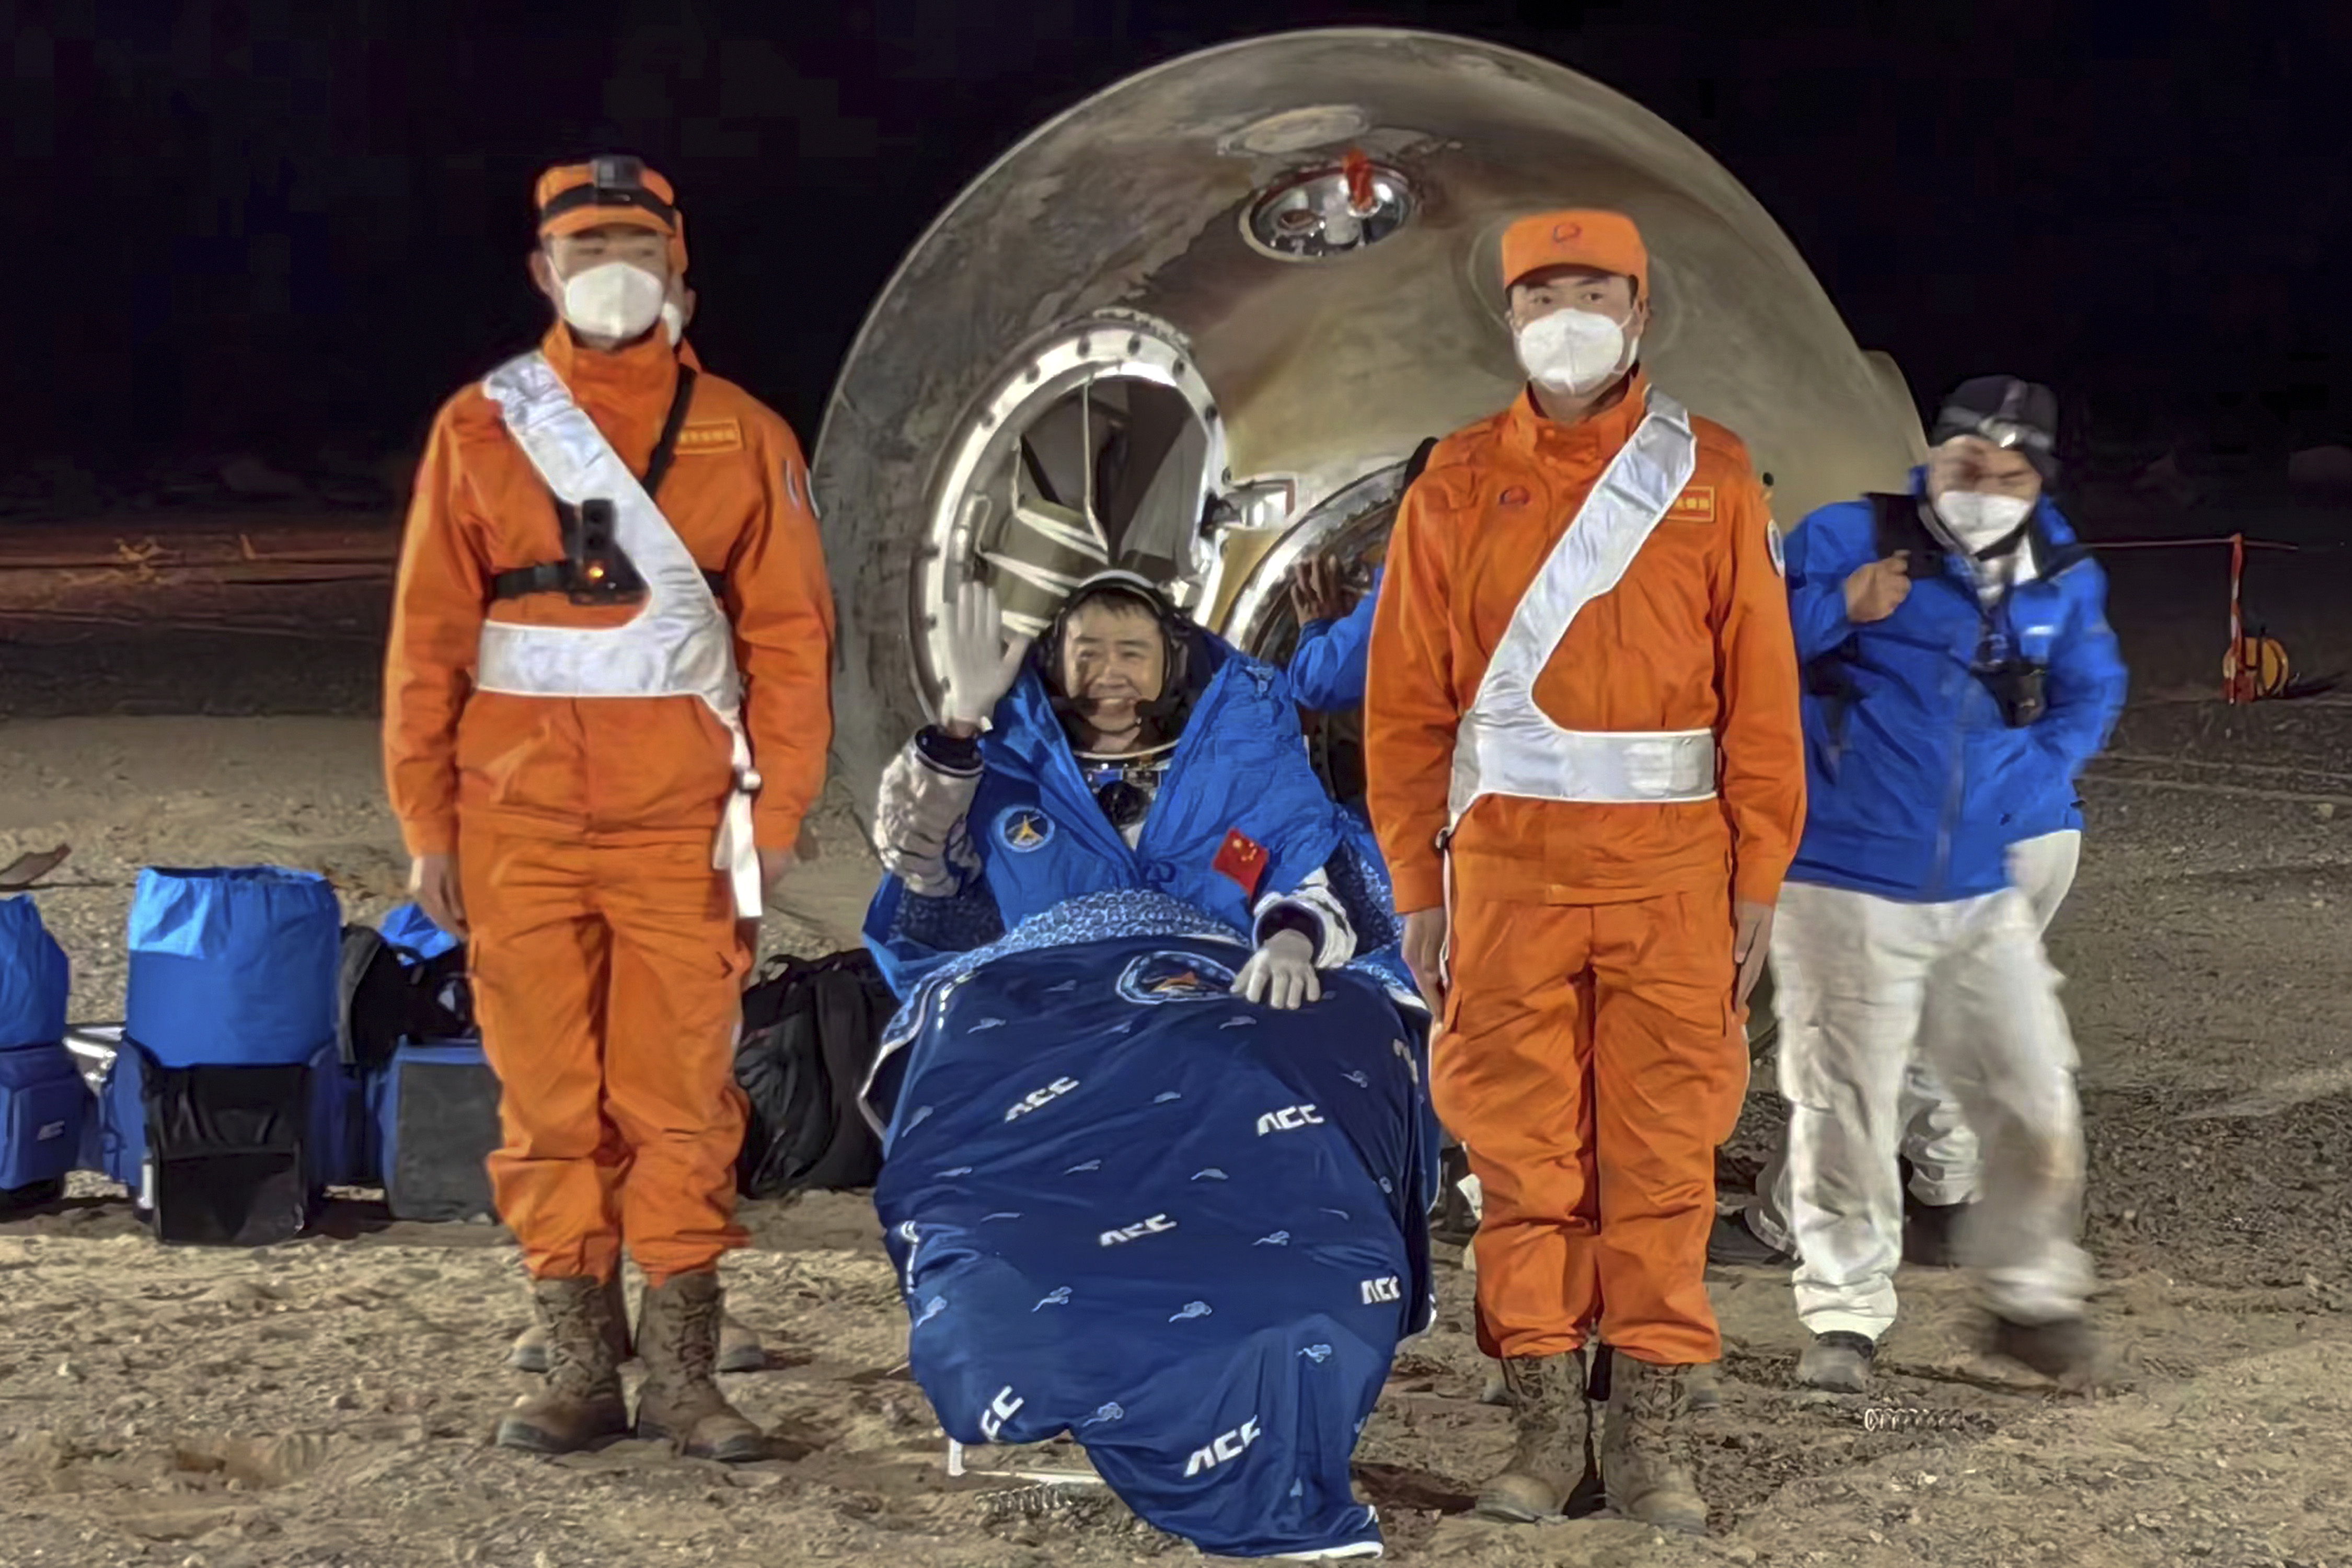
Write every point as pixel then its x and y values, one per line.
pixel 1695 504
pixel 718 436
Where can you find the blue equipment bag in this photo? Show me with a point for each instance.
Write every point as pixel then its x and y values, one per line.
pixel 434 1111
pixel 1188 1229
pixel 116 1145
pixel 339 1147
pixel 42 1096
pixel 410 927
pixel 323 1110
pixel 34 978
pixel 228 1154
pixel 43 1104
pixel 405 980
pixel 233 966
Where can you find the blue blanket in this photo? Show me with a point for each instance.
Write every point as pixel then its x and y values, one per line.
pixel 1187 1229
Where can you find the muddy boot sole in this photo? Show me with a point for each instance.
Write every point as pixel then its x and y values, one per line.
pixel 1523 1500
pixel 523 1434
pixel 1681 1520
pixel 745 1448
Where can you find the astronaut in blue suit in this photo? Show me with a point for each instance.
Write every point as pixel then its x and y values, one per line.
pixel 1128 749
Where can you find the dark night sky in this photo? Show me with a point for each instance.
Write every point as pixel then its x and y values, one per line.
pixel 282 223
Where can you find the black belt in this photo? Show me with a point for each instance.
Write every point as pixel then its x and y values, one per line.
pixel 564 577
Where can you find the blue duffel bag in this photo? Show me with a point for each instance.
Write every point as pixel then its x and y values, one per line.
pixel 234 966
pixel 34 978
pixel 43 1102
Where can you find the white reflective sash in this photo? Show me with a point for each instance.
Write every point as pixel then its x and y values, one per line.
pixel 679 644
pixel 1506 744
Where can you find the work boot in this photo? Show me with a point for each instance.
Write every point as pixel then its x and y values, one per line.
pixel 1648 1462
pixel 529 1352
pixel 1732 1245
pixel 2059 1350
pixel 1931 1234
pixel 740 1349
pixel 580 1405
pixel 677 1337
pixel 1554 1452
pixel 1838 1361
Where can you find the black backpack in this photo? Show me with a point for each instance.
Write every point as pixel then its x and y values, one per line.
pixel 387 994
pixel 811 1032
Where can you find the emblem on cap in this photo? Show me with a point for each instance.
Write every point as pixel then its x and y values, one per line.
pixel 1562 233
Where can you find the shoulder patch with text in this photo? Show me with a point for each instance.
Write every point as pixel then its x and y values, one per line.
pixel 1695 504
pixel 714 436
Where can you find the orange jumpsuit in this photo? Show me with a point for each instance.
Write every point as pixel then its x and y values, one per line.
pixel 606 959
pixel 1592 1057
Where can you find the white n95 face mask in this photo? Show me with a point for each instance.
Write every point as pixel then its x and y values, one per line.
pixel 1574 352
pixel 1980 522
pixel 673 323
pixel 613 301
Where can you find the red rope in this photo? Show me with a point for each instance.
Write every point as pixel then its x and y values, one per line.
pixel 2231 539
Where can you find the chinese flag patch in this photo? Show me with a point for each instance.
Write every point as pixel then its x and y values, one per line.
pixel 1242 859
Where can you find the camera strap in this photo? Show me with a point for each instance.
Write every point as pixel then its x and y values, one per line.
pixel 619 579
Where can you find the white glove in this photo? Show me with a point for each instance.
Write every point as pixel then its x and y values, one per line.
pixel 980 663
pixel 1281 974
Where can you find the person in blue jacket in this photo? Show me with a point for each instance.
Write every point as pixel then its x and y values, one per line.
pixel 1335 642
pixel 1129 749
pixel 1960 672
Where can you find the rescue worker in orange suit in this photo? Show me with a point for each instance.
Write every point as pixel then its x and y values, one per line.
pixel 1587 775
pixel 611 602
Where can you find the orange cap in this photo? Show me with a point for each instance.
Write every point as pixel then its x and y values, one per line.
pixel 609 190
pixel 1603 241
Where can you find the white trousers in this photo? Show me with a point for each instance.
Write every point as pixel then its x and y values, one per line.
pixel 1946 1163
pixel 1857 980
